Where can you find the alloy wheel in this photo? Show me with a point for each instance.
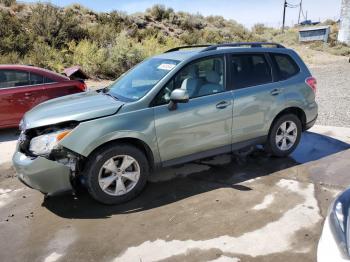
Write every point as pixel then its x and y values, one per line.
pixel 286 135
pixel 119 175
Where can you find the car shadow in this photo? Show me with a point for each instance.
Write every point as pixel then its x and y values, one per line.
pixel 197 178
pixel 9 134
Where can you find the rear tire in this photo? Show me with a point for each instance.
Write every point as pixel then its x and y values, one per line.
pixel 116 173
pixel 284 135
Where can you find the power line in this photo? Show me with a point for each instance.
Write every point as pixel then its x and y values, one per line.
pixel 291 5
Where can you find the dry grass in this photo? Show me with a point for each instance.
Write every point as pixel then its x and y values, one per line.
pixel 315 57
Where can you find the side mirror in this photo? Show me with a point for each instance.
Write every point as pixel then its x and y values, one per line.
pixel 178 96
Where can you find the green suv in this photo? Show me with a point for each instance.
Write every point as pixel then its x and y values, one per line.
pixel 186 104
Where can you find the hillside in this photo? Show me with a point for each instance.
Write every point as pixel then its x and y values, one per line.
pixel 107 44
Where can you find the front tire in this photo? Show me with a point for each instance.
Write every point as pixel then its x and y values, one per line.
pixel 284 135
pixel 116 173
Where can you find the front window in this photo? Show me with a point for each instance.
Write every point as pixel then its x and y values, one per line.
pixel 201 78
pixel 141 79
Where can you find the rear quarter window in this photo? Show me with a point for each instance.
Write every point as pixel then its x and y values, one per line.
pixel 285 65
pixel 48 80
pixel 36 79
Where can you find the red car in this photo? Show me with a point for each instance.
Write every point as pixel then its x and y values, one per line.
pixel 23 87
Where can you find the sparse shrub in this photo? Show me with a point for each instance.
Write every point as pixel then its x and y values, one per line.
pixel 54 26
pixel 8 3
pixel 211 36
pixel 259 29
pixel 89 56
pixel 121 56
pixel 108 44
pixel 102 34
pixel 43 55
pixel 159 12
pixel 13 36
pixel 10 58
pixel 329 22
pixel 190 22
pixel 151 46
pixel 190 38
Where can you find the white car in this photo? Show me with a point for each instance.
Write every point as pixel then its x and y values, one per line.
pixel 334 243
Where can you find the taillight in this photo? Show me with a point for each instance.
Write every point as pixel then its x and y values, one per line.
pixel 312 83
pixel 82 86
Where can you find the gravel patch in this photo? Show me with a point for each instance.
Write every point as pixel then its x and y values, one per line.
pixel 333 92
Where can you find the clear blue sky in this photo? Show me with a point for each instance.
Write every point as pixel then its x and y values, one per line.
pixel 247 12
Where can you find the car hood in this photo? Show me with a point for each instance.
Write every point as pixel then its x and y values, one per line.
pixel 77 107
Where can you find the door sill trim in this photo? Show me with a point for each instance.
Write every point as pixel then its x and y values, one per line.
pixel 213 152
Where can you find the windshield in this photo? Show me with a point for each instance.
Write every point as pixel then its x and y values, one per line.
pixel 141 79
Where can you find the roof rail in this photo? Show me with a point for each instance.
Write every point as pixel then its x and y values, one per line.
pixel 250 44
pixel 185 47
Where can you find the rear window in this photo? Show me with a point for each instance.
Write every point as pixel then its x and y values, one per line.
pixel 286 67
pixel 13 78
pixel 250 70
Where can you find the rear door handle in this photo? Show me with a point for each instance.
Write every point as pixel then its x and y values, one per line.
pixel 222 104
pixel 276 91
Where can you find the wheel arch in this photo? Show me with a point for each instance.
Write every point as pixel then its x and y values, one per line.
pixel 138 143
pixel 295 111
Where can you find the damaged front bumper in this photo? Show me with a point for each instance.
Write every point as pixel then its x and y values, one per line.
pixel 49 177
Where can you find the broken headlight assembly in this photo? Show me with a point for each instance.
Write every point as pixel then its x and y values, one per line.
pixel 44 144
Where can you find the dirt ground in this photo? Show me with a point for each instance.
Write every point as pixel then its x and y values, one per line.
pixel 227 208
pixel 333 86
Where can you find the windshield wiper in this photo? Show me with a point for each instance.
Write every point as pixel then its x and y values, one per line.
pixel 104 90
pixel 108 94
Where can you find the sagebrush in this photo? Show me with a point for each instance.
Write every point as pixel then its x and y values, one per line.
pixel 107 44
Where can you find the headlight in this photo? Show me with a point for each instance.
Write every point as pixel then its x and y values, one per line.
pixel 338 210
pixel 43 145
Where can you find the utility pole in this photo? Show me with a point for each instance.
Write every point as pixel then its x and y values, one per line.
pixel 300 8
pixel 284 14
pixel 344 29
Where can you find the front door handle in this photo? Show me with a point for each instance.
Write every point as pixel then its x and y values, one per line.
pixel 222 104
pixel 276 91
